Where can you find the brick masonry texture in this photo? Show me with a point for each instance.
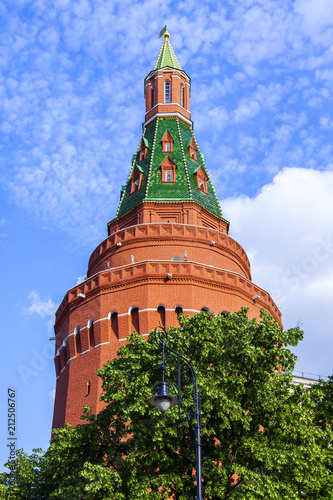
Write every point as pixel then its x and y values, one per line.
pixel 167 250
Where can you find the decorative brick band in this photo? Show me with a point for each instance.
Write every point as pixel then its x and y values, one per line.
pixel 186 272
pixel 171 231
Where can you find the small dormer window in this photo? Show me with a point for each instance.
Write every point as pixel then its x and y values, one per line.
pixel 201 179
pixel 143 149
pixel 192 148
pixel 167 91
pixel 168 171
pixel 136 179
pixel 167 142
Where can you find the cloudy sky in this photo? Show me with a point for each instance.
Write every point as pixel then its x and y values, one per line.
pixel 71 86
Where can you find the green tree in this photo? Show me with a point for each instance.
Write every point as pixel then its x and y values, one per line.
pixel 261 437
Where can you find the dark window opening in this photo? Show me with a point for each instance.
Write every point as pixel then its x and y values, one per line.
pixel 88 388
pixel 114 323
pixel 135 320
pixel 167 91
pixel 161 314
pixel 91 332
pixel 153 96
pixel 78 342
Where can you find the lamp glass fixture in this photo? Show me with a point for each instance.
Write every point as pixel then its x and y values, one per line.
pixel 163 400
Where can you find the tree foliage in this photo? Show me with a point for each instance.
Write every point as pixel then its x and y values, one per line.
pixel 262 437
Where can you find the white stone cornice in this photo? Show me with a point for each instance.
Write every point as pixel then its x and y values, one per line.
pixel 164 114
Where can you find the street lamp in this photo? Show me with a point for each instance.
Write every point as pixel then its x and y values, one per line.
pixel 163 401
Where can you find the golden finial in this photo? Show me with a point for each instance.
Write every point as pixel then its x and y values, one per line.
pixel 165 33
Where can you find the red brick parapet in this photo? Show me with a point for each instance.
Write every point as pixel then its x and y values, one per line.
pixel 169 272
pixel 159 241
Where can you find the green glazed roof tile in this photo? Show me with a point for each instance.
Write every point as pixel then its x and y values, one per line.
pixel 167 57
pixel 185 187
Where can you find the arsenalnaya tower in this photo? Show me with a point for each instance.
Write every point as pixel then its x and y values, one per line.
pixel 167 250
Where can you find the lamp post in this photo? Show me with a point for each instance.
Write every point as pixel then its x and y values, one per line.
pixel 163 400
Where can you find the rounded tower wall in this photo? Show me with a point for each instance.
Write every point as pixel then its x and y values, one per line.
pixel 166 242
pixel 168 251
pixel 99 320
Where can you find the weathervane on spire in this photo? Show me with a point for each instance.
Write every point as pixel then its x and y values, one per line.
pixel 165 33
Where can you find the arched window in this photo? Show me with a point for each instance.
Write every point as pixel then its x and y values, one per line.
pixel 114 323
pixel 182 95
pixel 205 309
pixel 179 310
pixel 161 314
pixel 78 340
pixel 167 91
pixel 88 388
pixel 152 96
pixel 90 326
pixel 64 351
pixel 135 319
pixel 168 176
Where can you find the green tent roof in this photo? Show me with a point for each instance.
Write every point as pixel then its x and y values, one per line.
pixel 185 188
pixel 167 57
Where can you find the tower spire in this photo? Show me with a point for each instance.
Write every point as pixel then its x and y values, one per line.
pixel 168 168
pixel 167 56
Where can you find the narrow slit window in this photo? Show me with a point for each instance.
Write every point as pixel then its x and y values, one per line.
pixel 161 314
pixel 114 324
pixel 182 95
pixel 153 96
pixel 167 91
pixel 88 388
pixel 135 326
pixel 78 341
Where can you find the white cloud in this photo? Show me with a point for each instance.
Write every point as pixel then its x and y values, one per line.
pixel 246 110
pixel 316 14
pixel 287 231
pixel 72 98
pixel 38 306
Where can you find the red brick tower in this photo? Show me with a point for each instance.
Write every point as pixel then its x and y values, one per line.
pixel 167 250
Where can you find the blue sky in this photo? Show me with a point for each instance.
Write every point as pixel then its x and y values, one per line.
pixel 71 86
